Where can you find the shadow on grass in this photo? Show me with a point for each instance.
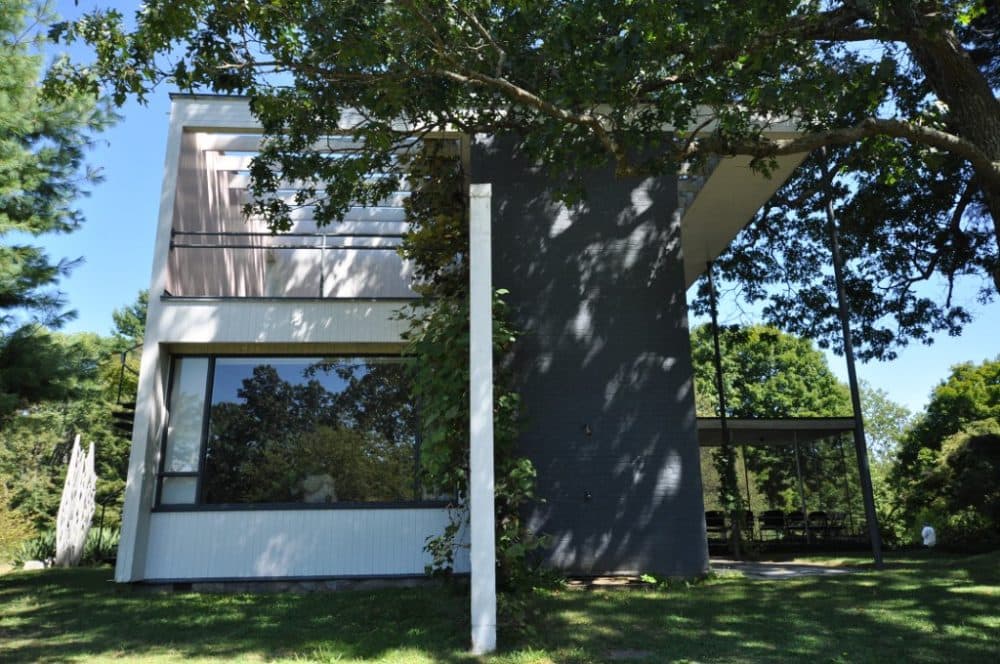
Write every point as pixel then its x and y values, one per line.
pixel 915 611
pixel 61 614
pixel 921 609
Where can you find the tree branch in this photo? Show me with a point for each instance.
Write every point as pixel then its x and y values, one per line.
pixel 501 53
pixel 986 167
pixel 522 96
pixel 840 24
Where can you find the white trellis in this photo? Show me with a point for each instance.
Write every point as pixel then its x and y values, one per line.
pixel 76 507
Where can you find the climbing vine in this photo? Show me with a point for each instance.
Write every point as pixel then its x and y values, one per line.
pixel 438 243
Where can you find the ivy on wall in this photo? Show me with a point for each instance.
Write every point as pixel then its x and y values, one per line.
pixel 438 337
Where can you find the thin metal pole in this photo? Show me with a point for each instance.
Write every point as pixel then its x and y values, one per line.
pixel 121 377
pixel 100 531
pixel 727 445
pixel 864 472
pixel 746 480
pixel 802 486
pixel 310 247
pixel 399 236
pixel 847 486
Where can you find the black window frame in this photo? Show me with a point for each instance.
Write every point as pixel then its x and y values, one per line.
pixel 200 506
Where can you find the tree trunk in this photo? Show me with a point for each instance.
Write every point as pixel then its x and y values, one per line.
pixel 992 196
pixel 975 112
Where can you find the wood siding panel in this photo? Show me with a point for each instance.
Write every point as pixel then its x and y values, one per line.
pixel 366 274
pixel 215 252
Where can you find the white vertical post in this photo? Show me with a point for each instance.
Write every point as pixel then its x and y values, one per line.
pixel 149 403
pixel 481 517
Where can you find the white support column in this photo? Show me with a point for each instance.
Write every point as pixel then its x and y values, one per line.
pixel 150 405
pixel 481 515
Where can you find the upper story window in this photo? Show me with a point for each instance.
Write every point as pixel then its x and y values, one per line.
pixel 246 431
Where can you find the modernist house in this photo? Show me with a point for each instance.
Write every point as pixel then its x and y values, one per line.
pixel 275 434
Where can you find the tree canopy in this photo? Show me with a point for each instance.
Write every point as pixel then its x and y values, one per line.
pixel 768 373
pixel 35 441
pixel 36 438
pixel 971 393
pixel 130 321
pixel 885 424
pixel 948 467
pixel 901 91
pixel 771 374
pixel 43 140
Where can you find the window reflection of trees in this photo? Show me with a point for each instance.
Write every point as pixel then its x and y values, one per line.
pixel 184 433
pixel 345 431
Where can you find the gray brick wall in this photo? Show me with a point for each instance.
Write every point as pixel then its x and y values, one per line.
pixel 603 366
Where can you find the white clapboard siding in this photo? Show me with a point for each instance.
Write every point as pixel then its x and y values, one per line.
pixel 345 270
pixel 360 273
pixel 238 166
pixel 241 180
pixel 394 200
pixel 280 322
pixel 307 212
pixel 314 241
pixel 223 142
pixel 292 543
pixel 304 224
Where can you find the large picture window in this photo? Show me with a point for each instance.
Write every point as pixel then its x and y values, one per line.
pixel 290 430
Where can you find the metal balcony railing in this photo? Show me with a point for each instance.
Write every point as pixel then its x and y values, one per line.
pixel 282 272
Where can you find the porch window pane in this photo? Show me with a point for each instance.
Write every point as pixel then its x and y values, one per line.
pixel 178 490
pixel 187 412
pixel 310 430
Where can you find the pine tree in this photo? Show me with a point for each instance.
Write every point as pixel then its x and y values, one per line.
pixel 43 141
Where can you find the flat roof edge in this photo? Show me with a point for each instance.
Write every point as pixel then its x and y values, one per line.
pixel 787 423
pixel 772 430
pixel 207 96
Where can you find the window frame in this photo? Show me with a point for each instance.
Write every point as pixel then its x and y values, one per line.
pixel 200 506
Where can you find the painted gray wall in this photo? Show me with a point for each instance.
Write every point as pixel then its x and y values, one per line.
pixel 603 366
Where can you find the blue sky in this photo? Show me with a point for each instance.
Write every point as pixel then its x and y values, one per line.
pixel 117 244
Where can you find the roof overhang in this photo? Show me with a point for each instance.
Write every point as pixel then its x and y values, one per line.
pixel 772 431
pixel 729 198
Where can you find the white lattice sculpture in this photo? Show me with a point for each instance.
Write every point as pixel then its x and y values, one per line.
pixel 76 508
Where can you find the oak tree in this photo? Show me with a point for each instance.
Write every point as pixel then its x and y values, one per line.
pixel 901 91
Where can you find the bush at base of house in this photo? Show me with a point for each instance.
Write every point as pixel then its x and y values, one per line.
pixel 101 547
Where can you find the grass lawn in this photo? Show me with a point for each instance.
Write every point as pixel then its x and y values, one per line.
pixel 921 608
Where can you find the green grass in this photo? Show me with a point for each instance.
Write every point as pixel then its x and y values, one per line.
pixel 921 608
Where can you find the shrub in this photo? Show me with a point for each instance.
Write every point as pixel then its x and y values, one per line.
pixel 101 546
pixel 971 465
pixel 41 547
pixel 963 531
pixel 968 531
pixel 959 489
pixel 15 527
